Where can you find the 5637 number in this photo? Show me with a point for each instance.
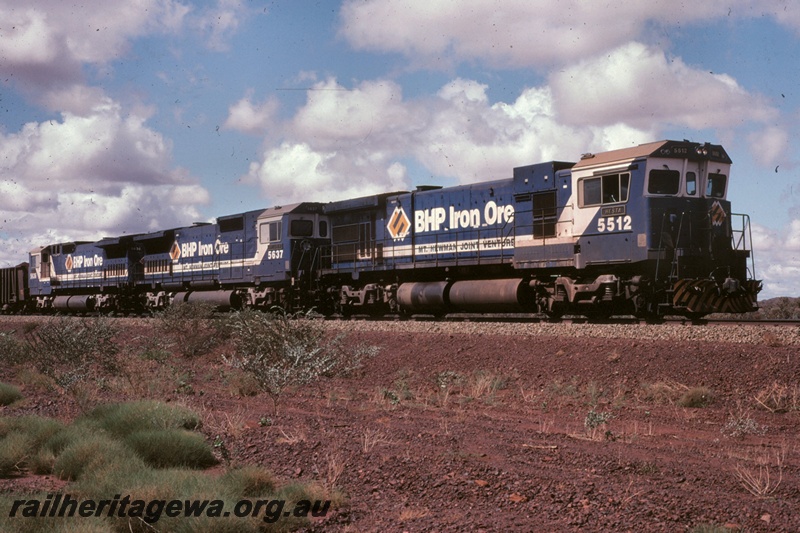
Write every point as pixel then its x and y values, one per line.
pixel 620 223
pixel 275 254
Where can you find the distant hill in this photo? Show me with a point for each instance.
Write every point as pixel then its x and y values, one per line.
pixel 779 308
pixel 776 308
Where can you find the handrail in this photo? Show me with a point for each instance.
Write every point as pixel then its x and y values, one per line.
pixel 742 238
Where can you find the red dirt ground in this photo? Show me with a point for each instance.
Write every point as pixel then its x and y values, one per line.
pixel 418 441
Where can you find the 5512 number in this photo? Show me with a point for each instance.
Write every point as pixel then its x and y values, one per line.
pixel 620 223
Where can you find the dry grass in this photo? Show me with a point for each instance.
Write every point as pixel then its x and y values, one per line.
pixel 661 392
pixel 373 437
pixel 696 397
pixel 334 467
pixel 765 475
pixel 779 398
pixel 484 384
pixel 231 422
pixel 413 513
pixel 291 438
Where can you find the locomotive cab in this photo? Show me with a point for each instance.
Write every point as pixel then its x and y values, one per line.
pixel 702 249
pixel 655 235
pixel 289 245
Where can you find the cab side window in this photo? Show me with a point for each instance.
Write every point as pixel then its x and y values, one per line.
pixel 269 232
pixel 609 189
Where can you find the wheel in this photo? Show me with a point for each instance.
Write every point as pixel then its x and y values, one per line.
pixel 555 311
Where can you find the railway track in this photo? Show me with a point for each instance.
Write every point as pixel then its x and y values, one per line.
pixel 541 319
pixel 772 333
pixel 511 318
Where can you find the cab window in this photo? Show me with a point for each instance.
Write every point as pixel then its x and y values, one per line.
pixel 609 189
pixel 270 232
pixel 301 228
pixel 592 192
pixel 691 183
pixel 664 181
pixel 715 187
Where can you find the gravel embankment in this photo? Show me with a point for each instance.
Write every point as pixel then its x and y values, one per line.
pixel 741 334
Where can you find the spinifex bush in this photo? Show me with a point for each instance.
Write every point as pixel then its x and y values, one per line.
pixel 20 438
pixel 93 451
pixel 249 481
pixel 14 452
pixel 70 350
pixel 122 419
pixel 131 449
pixel 166 448
pixel 281 351
pixel 9 394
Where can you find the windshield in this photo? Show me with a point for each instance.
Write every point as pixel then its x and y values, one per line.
pixel 664 181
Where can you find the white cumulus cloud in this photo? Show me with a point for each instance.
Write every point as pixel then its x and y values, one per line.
pixel 251 117
pixel 639 85
pixel 355 141
pixel 85 176
pixel 44 43
pixel 525 33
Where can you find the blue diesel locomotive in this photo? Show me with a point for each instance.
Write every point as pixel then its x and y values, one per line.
pixel 644 231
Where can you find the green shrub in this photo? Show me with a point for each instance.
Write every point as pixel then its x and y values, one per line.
pixel 12 351
pixel 167 448
pixel 9 394
pixel 71 350
pixel 102 458
pixel 30 524
pixel 186 327
pixel 594 419
pixel 282 351
pixel 43 462
pixel 39 428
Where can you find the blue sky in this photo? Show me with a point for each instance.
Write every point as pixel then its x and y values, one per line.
pixel 123 117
